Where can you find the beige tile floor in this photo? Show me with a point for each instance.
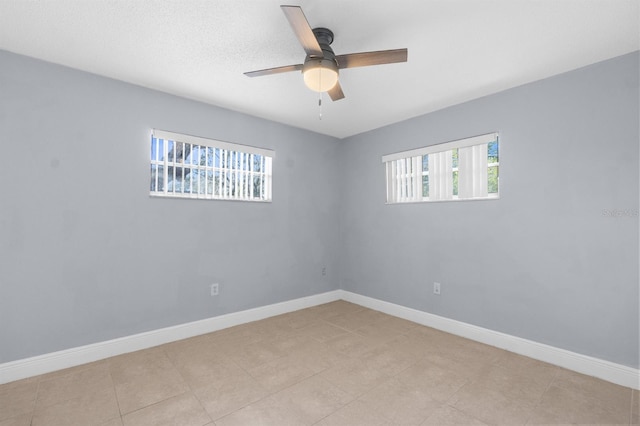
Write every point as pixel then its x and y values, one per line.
pixel 334 364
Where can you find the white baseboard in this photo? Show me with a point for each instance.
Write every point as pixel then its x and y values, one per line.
pixel 605 370
pixel 609 371
pixel 29 367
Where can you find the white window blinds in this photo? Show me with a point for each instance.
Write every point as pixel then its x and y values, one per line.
pixel 458 170
pixel 403 179
pixel 187 166
pixel 472 176
pixel 441 175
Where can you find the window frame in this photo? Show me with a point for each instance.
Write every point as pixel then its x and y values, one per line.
pixel 239 168
pixel 398 186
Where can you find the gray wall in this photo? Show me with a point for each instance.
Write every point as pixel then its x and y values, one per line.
pixel 86 255
pixel 546 262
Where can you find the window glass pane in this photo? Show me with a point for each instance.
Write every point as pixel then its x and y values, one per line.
pixel 181 177
pixel 155 155
pixel 190 182
pixel 180 152
pixel 195 155
pixel 156 180
pixel 169 151
pixel 492 184
pixel 190 154
pixel 175 150
pixel 196 183
pixel 454 166
pixel 205 155
pixel 216 183
pixel 230 182
pixel 492 152
pixel 425 163
pixel 425 186
pixel 171 182
pixel 160 151
pixel 234 160
pixel 455 182
pixel 208 182
pixel 257 163
pixel 257 186
pixel 208 156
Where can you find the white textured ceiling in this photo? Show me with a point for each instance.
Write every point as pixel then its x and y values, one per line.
pixel 458 49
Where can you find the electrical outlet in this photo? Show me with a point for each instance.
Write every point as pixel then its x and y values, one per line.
pixel 215 289
pixel 436 288
pixel 324 271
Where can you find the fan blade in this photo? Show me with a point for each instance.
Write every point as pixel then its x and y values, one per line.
pixel 365 59
pixel 335 93
pixel 303 30
pixel 276 70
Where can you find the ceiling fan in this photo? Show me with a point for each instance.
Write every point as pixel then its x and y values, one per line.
pixel 321 66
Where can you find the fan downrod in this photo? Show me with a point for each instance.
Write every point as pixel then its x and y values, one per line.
pixel 323 35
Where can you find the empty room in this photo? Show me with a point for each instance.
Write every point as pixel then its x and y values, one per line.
pixel 243 212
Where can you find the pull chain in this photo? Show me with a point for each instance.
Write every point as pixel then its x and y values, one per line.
pixel 320 96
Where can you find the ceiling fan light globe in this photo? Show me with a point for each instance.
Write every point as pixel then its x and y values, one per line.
pixel 320 75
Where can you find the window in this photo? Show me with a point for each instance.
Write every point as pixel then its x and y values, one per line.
pixel 186 166
pixel 466 169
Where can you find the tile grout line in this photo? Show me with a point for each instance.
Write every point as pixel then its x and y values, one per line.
pixel 631 407
pixel 539 403
pixel 191 390
pixel 115 391
pixel 467 382
pixel 35 401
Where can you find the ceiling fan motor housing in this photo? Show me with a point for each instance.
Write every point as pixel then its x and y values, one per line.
pixel 321 73
pixel 325 38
